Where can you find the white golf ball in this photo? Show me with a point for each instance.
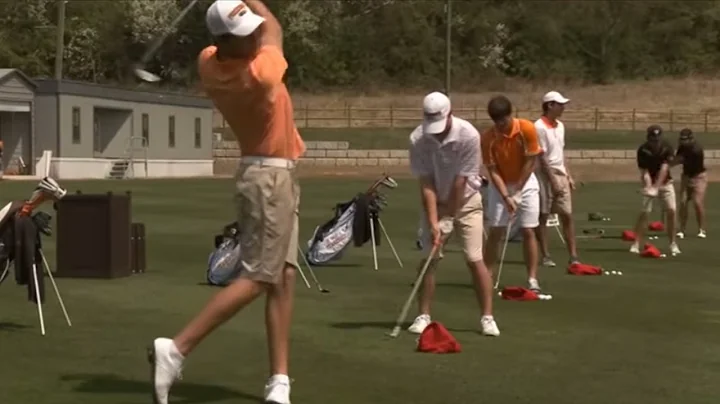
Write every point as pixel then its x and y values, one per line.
pixel 619 272
pixel 606 273
pixel 663 255
pixel 548 297
pixel 613 272
pixel 542 297
pixel 500 294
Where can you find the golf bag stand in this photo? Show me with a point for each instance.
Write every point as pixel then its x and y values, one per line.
pixel 374 216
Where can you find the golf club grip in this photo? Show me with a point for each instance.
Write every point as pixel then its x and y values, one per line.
pixel 150 52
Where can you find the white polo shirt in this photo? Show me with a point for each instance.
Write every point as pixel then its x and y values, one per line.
pixel 458 154
pixel 552 141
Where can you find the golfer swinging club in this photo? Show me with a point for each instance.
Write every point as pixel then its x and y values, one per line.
pixel 510 149
pixel 556 183
pixel 653 159
pixel 444 155
pixel 242 73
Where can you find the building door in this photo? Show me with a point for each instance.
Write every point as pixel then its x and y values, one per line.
pixel 97 139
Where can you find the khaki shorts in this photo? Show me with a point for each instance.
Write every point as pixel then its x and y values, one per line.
pixel 468 225
pixel 267 201
pixel 666 195
pixel 693 187
pixel 549 203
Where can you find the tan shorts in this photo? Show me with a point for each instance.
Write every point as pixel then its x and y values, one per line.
pixel 693 187
pixel 549 203
pixel 666 195
pixel 267 201
pixel 469 226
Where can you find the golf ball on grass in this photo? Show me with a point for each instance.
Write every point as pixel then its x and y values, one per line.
pixel 663 256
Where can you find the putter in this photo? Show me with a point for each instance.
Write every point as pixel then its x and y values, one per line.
pixel 312 272
pixel 139 69
pixel 502 256
pixel 444 231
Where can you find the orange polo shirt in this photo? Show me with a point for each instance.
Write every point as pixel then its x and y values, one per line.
pixel 508 151
pixel 253 99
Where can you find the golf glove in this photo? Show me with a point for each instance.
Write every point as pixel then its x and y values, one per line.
pixel 446 225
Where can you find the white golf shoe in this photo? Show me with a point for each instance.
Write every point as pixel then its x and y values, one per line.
pixel 421 322
pixel 166 364
pixel 674 249
pixel 680 235
pixel 702 234
pixel 635 248
pixel 489 326
pixel 277 390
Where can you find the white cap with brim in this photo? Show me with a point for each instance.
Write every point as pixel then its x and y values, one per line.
pixel 554 96
pixel 231 17
pixel 436 109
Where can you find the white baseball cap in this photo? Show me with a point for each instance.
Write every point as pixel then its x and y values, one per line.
pixel 231 17
pixel 436 109
pixel 554 96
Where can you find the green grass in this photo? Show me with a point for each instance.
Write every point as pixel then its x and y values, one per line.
pixel 385 138
pixel 650 336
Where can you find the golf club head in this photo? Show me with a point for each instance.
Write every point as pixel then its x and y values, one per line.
pixel 395 332
pixel 389 182
pixel 47 190
pixel 145 75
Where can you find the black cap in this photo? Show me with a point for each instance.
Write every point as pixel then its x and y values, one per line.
pixel 686 134
pixel 654 130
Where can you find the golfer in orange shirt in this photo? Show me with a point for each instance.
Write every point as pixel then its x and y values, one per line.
pixel 242 73
pixel 509 150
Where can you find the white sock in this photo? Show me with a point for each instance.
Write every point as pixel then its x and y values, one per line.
pixel 487 317
pixel 175 352
pixel 280 379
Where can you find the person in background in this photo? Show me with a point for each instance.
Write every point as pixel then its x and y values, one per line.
pixel 556 183
pixel 693 182
pixel 654 157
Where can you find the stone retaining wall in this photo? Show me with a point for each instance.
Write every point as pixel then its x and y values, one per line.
pixel 324 155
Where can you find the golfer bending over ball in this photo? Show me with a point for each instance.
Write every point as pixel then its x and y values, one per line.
pixel 242 73
pixel 509 150
pixel 653 159
pixel 445 154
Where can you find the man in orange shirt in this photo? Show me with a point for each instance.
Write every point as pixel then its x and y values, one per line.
pixel 509 150
pixel 242 73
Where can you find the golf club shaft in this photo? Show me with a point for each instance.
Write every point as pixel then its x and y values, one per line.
pixel 406 307
pixel 312 272
pixel 150 52
pixel 502 256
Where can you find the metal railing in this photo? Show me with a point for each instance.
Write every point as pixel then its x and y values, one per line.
pixel 131 151
pixel 595 119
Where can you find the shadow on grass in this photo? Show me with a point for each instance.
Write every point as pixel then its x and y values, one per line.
pixel 357 325
pixel 187 393
pixel 12 326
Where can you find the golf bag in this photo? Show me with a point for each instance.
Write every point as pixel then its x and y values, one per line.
pixel 21 245
pixel 224 261
pixel 351 223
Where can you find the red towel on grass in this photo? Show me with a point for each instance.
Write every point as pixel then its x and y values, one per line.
pixel 629 235
pixel 650 251
pixel 584 269
pixel 437 339
pixel 518 293
pixel 656 226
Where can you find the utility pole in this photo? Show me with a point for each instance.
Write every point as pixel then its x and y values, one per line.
pixel 448 45
pixel 60 37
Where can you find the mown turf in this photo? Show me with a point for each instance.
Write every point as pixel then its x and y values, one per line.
pixel 386 138
pixel 649 336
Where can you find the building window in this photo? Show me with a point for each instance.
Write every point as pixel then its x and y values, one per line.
pixel 76 125
pixel 171 131
pixel 146 129
pixel 198 133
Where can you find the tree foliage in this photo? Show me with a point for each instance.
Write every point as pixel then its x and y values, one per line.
pixel 368 44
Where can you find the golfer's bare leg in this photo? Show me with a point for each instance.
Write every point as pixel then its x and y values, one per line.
pixel 278 318
pixel 541 234
pixel 640 225
pixel 530 252
pixel 427 287
pixel 482 281
pixel 699 205
pixel 670 218
pixel 568 225
pixel 218 310
pixel 684 205
pixel 492 248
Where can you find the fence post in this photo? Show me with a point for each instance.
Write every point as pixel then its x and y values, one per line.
pixel 597 119
pixel 307 117
pixel 671 119
pixel 392 116
pixel 706 121
pixel 634 117
pixel 348 113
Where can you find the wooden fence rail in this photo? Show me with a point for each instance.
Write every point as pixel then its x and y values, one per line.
pixel 587 119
